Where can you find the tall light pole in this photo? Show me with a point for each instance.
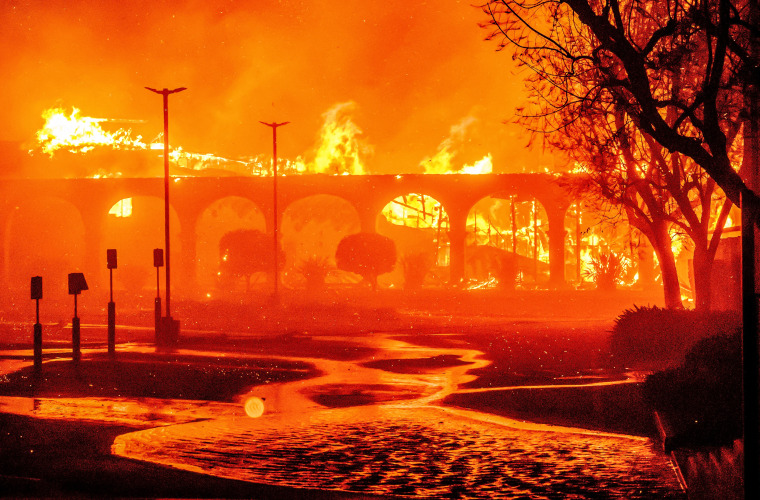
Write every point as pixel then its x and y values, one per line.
pixel 274 126
pixel 165 93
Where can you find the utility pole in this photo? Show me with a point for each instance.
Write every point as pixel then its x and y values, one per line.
pixel 750 313
pixel 169 324
pixel 276 259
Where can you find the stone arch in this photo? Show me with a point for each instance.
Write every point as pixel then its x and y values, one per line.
pixel 134 230
pixel 591 234
pixel 218 218
pixel 311 228
pixel 44 236
pixel 419 225
pixel 515 223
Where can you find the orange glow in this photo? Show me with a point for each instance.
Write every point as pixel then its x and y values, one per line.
pixel 80 134
pixel 122 208
pixel 415 210
pixel 442 162
pixel 341 149
pixel 254 407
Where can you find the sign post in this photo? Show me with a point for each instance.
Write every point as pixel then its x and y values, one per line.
pixel 77 283
pixel 36 296
pixel 158 262
pixel 111 263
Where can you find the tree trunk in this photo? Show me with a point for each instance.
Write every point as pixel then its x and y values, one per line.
pixel 702 283
pixel 670 285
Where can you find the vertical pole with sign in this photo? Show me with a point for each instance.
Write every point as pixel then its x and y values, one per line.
pixel 36 296
pixel 77 283
pixel 111 264
pixel 158 262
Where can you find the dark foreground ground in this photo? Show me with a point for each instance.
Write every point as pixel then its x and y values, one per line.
pixel 56 457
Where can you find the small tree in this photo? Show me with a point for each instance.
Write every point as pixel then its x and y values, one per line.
pixel 416 266
pixel 605 270
pixel 315 270
pixel 246 251
pixel 366 254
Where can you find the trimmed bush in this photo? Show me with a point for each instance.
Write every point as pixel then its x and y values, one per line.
pixel 315 270
pixel 655 338
pixel 702 399
pixel 366 254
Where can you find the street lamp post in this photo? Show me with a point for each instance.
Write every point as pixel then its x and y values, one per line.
pixel 165 94
pixel 274 126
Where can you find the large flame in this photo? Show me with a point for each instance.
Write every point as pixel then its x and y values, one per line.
pixel 80 134
pixel 341 148
pixel 442 161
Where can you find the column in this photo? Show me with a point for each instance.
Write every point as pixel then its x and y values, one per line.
pixel 556 233
pixel 457 235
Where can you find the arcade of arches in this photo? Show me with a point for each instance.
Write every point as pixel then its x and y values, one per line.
pixel 69 223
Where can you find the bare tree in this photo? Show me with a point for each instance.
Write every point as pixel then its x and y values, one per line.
pixel 632 51
pixel 642 146
pixel 664 195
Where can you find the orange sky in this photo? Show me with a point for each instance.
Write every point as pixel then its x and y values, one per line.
pixel 413 69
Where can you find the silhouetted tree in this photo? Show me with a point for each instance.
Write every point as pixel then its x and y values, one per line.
pixel 366 254
pixel 246 251
pixel 663 195
pixel 583 97
pixel 592 55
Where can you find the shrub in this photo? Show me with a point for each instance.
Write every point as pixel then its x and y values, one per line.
pixel 366 254
pixel 315 270
pixel 702 399
pixel 485 261
pixel 605 270
pixel 245 251
pixel 652 337
pixel 416 266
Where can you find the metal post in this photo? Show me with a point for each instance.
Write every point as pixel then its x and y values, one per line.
pixel 750 337
pixel 276 245
pixel 37 339
pixel 36 295
pixel 111 318
pixel 578 241
pixel 750 359
pixel 75 335
pixel 167 235
pixel 514 225
pixel 157 312
pixel 535 244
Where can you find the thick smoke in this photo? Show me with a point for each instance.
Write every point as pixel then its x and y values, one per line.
pixel 413 69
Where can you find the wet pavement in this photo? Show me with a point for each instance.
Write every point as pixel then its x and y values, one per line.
pixel 376 425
